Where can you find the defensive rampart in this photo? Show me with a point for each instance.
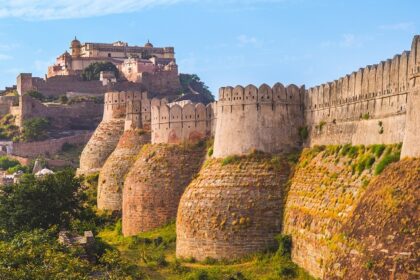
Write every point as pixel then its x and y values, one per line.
pixel 79 116
pixel 266 119
pixel 177 123
pixel 368 106
pixel 48 147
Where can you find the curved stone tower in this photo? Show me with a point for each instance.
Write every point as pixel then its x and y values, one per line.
pixel 136 134
pixel 234 206
pixel 112 174
pixel 232 209
pixel 155 183
pixel 265 119
pixel 107 134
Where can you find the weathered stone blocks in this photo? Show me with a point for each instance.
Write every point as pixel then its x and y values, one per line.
pixel 155 183
pixel 100 146
pixel 232 209
pixel 112 175
pixel 381 237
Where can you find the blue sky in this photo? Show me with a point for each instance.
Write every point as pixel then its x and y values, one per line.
pixel 225 42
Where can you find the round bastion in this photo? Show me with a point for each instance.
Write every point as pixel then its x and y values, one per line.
pixel 112 174
pixel 155 183
pixel 233 208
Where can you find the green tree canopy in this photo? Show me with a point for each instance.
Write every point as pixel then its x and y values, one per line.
pixel 35 129
pixel 41 203
pixel 192 81
pixel 93 71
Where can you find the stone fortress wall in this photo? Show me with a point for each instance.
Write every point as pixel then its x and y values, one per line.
pixel 105 138
pixel 366 107
pixel 80 115
pixel 177 123
pixel 265 119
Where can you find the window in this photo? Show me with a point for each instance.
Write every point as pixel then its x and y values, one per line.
pixel 109 54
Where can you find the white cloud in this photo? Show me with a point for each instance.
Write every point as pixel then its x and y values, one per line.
pixel 65 9
pixel 5 57
pixel 400 26
pixel 245 40
pixel 8 47
pixel 347 40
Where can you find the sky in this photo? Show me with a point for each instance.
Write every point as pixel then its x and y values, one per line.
pixel 224 42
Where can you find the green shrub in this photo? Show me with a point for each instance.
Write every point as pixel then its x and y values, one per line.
pixel 385 161
pixel 369 264
pixel 303 133
pixel 6 163
pixel 285 245
pixel 17 168
pixel 35 129
pixel 210 151
pixel 118 227
pixel 378 150
pixel 36 95
pixel 288 270
pixel 230 159
pixel 210 260
pixel 365 116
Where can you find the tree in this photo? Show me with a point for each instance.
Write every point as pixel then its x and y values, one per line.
pixel 35 129
pixel 41 203
pixel 93 71
pixel 37 255
pixel 192 81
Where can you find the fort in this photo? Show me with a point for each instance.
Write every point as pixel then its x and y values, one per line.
pixel 233 201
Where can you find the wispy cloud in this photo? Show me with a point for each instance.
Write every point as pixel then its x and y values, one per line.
pixel 65 9
pixel 245 40
pixel 400 26
pixel 8 47
pixel 347 40
pixel 5 57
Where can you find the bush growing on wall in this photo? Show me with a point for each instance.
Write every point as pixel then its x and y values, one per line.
pixel 36 95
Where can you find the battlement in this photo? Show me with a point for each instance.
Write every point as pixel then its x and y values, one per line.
pixel 291 94
pixel 367 106
pixel 180 122
pixel 265 118
pixel 116 104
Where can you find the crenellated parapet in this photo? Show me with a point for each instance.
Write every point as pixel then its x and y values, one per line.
pixel 365 107
pixel 278 94
pixel 180 121
pixel 264 118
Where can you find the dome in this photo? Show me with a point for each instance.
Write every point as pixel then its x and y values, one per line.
pixel 75 43
pixel 148 44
